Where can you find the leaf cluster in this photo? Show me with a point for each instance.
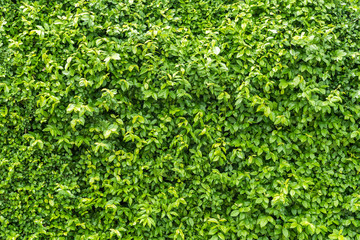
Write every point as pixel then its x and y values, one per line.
pixel 160 119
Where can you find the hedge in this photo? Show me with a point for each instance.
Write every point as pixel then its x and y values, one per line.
pixel 186 119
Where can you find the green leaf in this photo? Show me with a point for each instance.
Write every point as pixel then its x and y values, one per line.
pixel 235 213
pixel 216 50
pixel 262 221
pixel 286 233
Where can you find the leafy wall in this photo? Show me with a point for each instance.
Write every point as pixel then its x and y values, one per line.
pixel 161 119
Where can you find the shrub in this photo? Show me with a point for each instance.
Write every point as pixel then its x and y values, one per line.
pixel 181 119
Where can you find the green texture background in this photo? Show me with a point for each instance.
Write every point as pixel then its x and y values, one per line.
pixel 162 119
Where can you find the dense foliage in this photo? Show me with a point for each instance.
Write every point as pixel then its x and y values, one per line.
pixel 186 119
